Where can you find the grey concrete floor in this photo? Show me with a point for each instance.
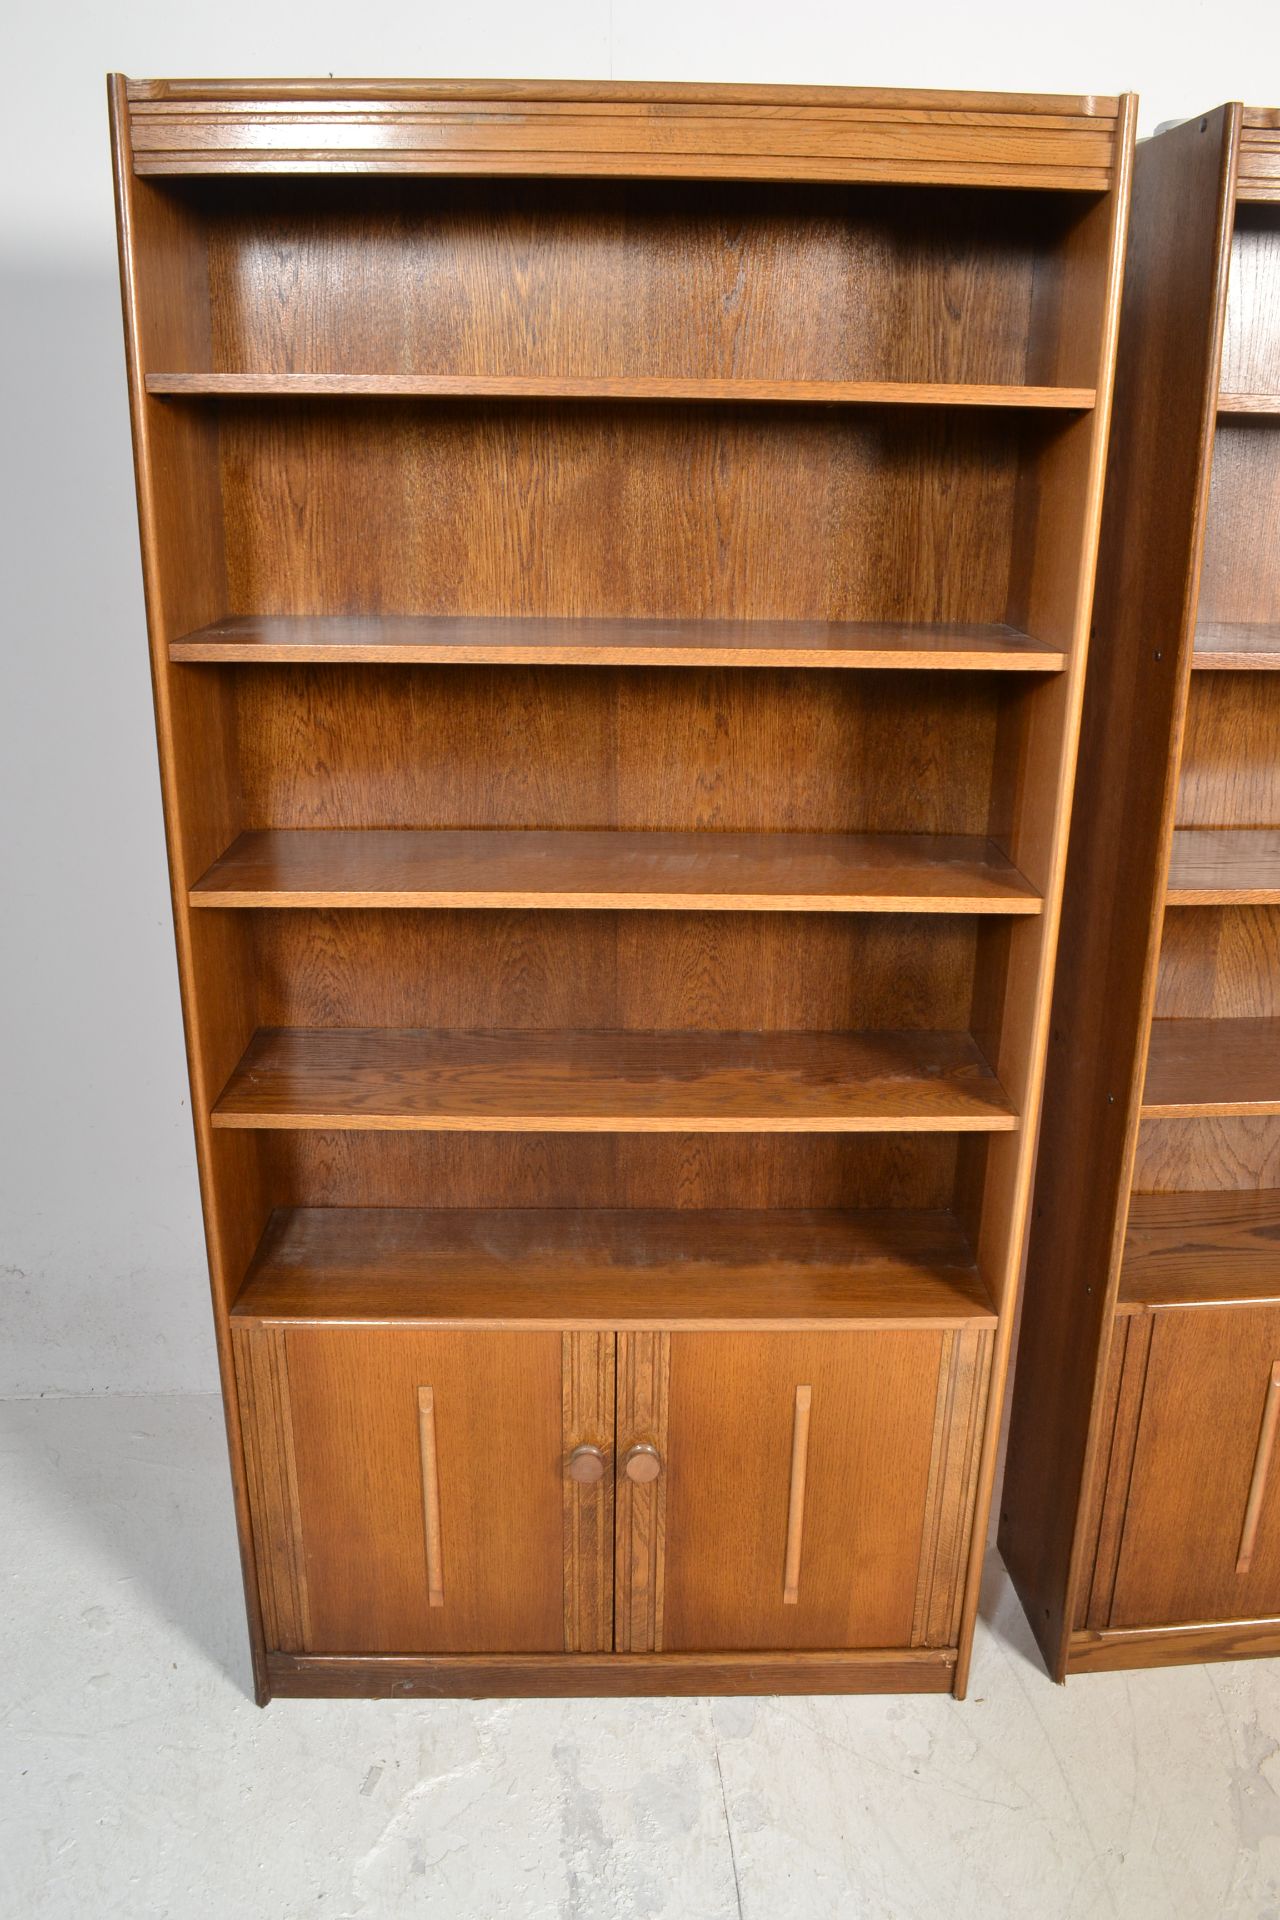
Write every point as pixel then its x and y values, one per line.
pixel 141 1781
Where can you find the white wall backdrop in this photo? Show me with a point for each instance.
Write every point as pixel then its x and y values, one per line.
pixel 101 1268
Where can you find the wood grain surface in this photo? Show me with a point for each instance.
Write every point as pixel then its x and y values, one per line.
pixel 1230 865
pixel 632 1268
pixel 1212 1067
pixel 833 873
pixel 618 1082
pixel 426 640
pixel 1186 1248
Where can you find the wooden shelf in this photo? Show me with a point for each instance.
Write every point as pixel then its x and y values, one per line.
pixel 746 872
pixel 1212 1067
pixel 1201 1249
pixel 614 1082
pixel 1237 646
pixel 621 1269
pixel 1230 866
pixel 1264 403
pixel 409 639
pixel 485 386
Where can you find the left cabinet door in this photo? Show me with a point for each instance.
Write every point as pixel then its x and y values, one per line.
pixel 411 1488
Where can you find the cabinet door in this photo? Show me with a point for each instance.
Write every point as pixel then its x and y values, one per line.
pixel 410 1493
pixel 805 1490
pixel 1201 1534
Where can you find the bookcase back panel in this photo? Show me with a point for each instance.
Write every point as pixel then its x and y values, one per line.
pixel 1219 963
pixel 1240 575
pixel 1251 338
pixel 614 509
pixel 608 1170
pixel 640 749
pixel 547 970
pixel 599 278
pixel 1237 1153
pixel 1230 774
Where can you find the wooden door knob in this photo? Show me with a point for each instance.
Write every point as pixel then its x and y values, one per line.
pixel 585 1465
pixel 642 1463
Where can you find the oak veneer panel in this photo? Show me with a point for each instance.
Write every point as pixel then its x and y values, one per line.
pixel 730 281
pixel 1237 1154
pixel 615 1081
pixel 601 1170
pixel 422 640
pixel 1144 611
pixel 1230 770
pixel 1219 963
pixel 1208 868
pixel 1251 337
pixel 1241 646
pixel 745 872
pixel 622 1268
pixel 712 512
pixel 1240 581
pixel 498 1416
pixel 469 747
pixel 481 968
pixel 1212 1067
pixel 728 1460
pixel 1188 1248
pixel 1198 1436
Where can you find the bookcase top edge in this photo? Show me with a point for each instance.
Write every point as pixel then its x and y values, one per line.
pixel 619 92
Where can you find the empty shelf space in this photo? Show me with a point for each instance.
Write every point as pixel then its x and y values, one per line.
pixel 1231 866
pixel 1237 646
pixel 1187 1249
pixel 623 1269
pixel 496 386
pixel 756 872
pixel 1249 403
pixel 613 1082
pixel 410 640
pixel 1212 1067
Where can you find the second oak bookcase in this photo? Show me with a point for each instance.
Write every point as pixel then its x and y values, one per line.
pixel 1141 1510
pixel 618 568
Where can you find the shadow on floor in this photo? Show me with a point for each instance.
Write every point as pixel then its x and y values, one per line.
pixel 143 1484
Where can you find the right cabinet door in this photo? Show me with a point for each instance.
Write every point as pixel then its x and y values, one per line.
pixel 808 1490
pixel 1201 1537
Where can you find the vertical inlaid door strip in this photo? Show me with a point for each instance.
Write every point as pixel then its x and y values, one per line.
pixel 964 1368
pixel 644 1363
pixel 1261 1471
pixel 1130 1392
pixel 588 1364
pixel 262 1376
pixel 932 1502
pixel 795 1503
pixel 430 1494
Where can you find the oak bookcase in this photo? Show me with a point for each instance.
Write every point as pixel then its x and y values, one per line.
pixel 618 565
pixel 1141 1510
